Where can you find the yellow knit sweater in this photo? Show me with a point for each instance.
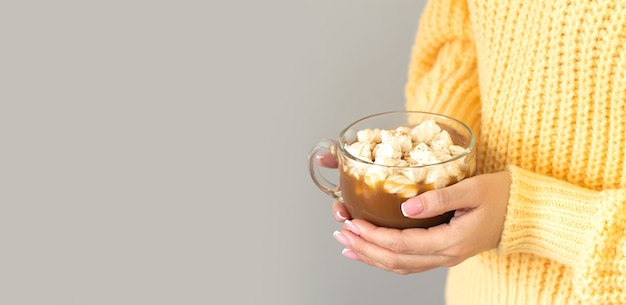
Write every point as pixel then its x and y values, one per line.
pixel 543 84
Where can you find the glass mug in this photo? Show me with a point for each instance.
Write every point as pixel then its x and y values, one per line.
pixel 374 192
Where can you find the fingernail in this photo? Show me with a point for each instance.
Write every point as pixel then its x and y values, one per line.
pixel 340 238
pixel 349 254
pixel 412 207
pixel 340 217
pixel 350 226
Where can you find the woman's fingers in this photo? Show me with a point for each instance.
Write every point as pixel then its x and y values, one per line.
pixel 375 255
pixel 429 241
pixel 459 196
pixel 340 212
pixel 327 159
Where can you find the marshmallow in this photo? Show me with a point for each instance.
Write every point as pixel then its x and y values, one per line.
pixel 440 147
pixel 401 185
pixel 445 137
pixel 368 135
pixel 453 170
pixel 389 150
pixel 355 169
pixel 456 149
pixel 438 177
pixel 375 175
pixel 361 150
pixel 387 136
pixel 405 142
pixel 425 131
pixel 423 155
pixel 416 174
pixel 401 136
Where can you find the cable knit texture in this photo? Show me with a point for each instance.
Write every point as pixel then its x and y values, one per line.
pixel 543 84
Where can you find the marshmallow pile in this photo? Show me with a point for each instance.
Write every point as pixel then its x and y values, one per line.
pixel 407 150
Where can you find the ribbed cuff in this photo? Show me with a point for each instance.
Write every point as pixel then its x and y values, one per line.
pixel 600 276
pixel 547 217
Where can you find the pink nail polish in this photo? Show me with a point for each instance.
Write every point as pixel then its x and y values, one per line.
pixel 412 207
pixel 340 238
pixel 349 254
pixel 350 226
pixel 340 217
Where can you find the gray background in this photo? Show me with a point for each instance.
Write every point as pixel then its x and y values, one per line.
pixel 154 152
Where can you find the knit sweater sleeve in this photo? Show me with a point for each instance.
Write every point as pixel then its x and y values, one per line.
pixel 581 228
pixel 442 73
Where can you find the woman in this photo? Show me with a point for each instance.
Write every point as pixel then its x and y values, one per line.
pixel 543 85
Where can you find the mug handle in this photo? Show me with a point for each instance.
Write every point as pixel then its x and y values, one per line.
pixel 322 183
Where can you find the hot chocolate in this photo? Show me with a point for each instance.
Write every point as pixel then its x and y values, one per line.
pixel 387 158
pixel 400 164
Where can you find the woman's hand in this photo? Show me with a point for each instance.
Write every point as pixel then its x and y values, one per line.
pixel 480 204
